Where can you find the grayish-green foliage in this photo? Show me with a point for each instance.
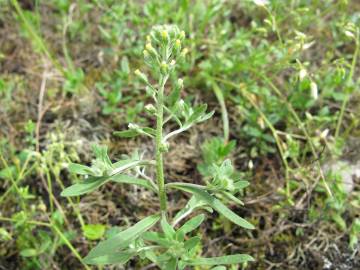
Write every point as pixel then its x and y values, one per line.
pixel 175 246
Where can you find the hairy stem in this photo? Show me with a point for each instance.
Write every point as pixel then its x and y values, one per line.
pixel 159 138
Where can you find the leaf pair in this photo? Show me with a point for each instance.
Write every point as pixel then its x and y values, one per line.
pixel 116 249
pixel 224 181
pixel 135 130
pixel 114 173
pixel 217 205
pixel 195 115
pixel 94 183
pixel 186 116
pixel 100 166
pixel 214 151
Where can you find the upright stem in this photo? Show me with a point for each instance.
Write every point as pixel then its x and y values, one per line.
pixel 159 135
pixel 351 74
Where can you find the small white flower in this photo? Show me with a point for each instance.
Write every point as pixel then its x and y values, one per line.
pixel 302 74
pixel 250 164
pixel 324 134
pixel 314 90
pixel 180 83
pixel 349 34
pixel 308 45
pixel 150 108
pixel 133 126
pixel 261 2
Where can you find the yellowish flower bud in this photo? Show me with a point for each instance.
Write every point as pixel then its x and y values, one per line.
pixel 150 108
pixel 180 83
pixel 141 76
pixel 182 35
pixel 149 47
pixel 164 67
pixel 185 51
pixel 164 34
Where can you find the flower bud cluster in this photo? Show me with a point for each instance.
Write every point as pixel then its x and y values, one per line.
pixel 164 48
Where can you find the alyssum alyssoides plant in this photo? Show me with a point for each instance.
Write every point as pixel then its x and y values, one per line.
pixel 173 245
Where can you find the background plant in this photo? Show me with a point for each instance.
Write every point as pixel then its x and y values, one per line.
pixel 277 75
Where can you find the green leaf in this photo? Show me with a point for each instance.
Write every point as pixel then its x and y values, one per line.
pixel 29 252
pixel 192 205
pixel 100 152
pixel 157 238
pixel 125 65
pixel 93 183
pixel 231 259
pixel 219 268
pixel 353 240
pixel 121 257
pixel 213 202
pixel 198 112
pixel 150 131
pixel 128 179
pixel 8 172
pixel 80 169
pixel 167 229
pixel 45 240
pixel 170 265
pixel 191 224
pixel 174 95
pixel 192 242
pixel 241 184
pixel 232 197
pixel 135 132
pixel 86 186
pixel 339 221
pixel 206 116
pixel 4 235
pixel 93 231
pixel 122 239
pixel 126 133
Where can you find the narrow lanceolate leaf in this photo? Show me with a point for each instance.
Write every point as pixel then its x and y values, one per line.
pixel 167 228
pixel 198 112
pixel 80 169
pixel 192 242
pixel 241 184
pixel 213 202
pixel 122 239
pixel 232 197
pixel 128 179
pixel 157 238
pixel 231 259
pixel 191 224
pixel 85 186
pixel 206 116
pixel 121 257
pixel 126 133
pixel 93 183
pixel 135 132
